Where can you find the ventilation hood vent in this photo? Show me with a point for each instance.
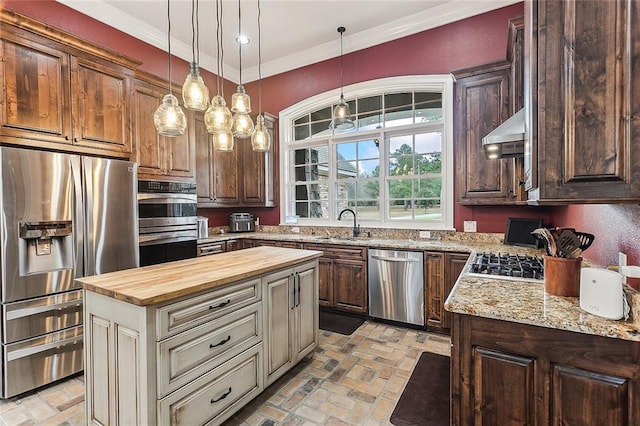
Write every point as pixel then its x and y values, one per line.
pixel 507 140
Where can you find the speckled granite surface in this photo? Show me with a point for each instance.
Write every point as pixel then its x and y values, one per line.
pixel 515 301
pixel 527 303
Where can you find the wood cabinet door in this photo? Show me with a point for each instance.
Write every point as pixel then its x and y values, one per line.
pixel 454 264
pixel 36 98
pixel 279 302
pixel 204 165
pixel 587 90
pixel 496 405
pixel 149 145
pixel 574 391
pixel 482 104
pixel 434 288
pixel 100 105
pixel 306 312
pixel 252 178
pixel 325 282
pixel 226 191
pixel 180 150
pixel 350 285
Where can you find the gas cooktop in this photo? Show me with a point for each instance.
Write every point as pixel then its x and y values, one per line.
pixel 508 266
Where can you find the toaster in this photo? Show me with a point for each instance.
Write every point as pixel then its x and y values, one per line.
pixel 241 222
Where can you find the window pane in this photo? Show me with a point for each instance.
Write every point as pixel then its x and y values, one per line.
pixel 368 149
pixel 370 120
pixel 401 144
pixel 428 106
pixel 400 188
pixel 369 190
pixel 372 103
pixel 401 166
pixel 400 209
pixel 302 120
pixel 428 142
pixel 320 128
pixel 301 132
pixel 346 151
pixel 429 163
pixel 323 114
pixel 346 191
pixel 394 100
pixel 369 168
pixel 427 188
pixel 398 117
pixel 346 170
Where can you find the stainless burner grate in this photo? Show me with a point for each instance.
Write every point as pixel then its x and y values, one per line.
pixel 513 266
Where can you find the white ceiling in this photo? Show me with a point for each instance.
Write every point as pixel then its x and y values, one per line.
pixel 294 33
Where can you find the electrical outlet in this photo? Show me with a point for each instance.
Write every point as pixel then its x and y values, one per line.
pixel 470 226
pixel 425 234
pixel 295 230
pixel 622 261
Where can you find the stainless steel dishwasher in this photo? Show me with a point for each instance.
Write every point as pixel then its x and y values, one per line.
pixel 396 285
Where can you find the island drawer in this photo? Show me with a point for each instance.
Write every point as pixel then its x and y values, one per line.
pixel 216 394
pixel 186 314
pixel 339 252
pixel 188 355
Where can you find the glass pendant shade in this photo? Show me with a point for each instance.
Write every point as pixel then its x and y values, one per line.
pixel 342 116
pixel 169 118
pixel 240 101
pixel 195 93
pixel 222 140
pixel 242 125
pixel 218 117
pixel 261 139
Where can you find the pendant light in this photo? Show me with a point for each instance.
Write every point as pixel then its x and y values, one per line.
pixel 169 118
pixel 240 101
pixel 260 139
pixel 218 118
pixel 341 115
pixel 195 93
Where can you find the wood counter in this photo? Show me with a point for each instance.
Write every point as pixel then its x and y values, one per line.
pixel 154 284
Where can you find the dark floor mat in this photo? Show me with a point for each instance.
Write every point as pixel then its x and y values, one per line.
pixel 425 399
pixel 338 323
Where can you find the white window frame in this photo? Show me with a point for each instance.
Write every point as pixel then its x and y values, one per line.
pixel 419 83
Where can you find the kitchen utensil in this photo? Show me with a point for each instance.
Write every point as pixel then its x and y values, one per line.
pixel 548 239
pixel 586 240
pixel 569 244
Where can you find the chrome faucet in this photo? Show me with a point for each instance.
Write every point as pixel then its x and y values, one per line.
pixel 356 228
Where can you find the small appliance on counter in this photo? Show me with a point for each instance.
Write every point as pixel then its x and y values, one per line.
pixel 203 228
pixel 601 291
pixel 241 222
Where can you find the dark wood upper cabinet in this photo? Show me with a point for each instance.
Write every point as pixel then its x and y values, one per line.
pixel 481 105
pixel 486 96
pixel 61 92
pixel 161 157
pixel 584 117
pixel 239 178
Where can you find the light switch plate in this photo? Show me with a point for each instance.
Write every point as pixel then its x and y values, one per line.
pixel 470 226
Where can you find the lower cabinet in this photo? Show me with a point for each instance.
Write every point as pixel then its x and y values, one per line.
pixel 343 277
pixel 291 318
pixel 508 373
pixel 441 273
pixel 201 358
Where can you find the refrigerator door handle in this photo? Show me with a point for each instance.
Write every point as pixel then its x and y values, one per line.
pixel 78 216
pixel 21 353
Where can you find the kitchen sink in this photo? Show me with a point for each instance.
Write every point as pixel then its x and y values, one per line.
pixel 336 238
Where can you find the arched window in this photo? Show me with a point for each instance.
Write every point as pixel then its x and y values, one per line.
pixel 395 169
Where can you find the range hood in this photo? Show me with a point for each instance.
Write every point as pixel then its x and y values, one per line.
pixel 507 140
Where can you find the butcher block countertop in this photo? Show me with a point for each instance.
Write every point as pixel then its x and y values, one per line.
pixel 150 285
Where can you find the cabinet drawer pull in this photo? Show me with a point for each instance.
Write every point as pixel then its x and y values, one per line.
pixel 222 342
pixel 221 305
pixel 226 394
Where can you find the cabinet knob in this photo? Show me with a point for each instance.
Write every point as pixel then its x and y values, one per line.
pixel 66 137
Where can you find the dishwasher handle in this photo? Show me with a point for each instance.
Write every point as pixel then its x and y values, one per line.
pixel 395 259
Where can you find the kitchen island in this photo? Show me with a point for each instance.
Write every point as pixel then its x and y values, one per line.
pixel 193 341
pixel 522 356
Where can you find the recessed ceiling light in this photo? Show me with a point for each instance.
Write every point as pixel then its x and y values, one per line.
pixel 242 39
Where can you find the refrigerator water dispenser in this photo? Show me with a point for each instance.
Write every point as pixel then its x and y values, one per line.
pixel 45 247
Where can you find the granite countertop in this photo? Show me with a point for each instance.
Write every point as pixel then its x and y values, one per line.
pixel 528 303
pixel 154 284
pixel 397 243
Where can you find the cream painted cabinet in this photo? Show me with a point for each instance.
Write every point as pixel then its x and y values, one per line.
pixel 197 359
pixel 291 318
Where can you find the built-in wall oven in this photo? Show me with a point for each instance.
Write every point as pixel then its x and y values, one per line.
pixel 168 222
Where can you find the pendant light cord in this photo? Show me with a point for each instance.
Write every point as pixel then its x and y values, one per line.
pixel 239 34
pixel 169 41
pixel 219 44
pixel 193 30
pixel 259 64
pixel 341 30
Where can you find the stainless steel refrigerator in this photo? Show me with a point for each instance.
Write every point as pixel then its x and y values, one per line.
pixel 62 216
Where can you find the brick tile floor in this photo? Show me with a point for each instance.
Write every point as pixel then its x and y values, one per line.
pixel 350 380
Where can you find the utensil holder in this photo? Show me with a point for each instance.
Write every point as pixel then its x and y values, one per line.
pixel 562 276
